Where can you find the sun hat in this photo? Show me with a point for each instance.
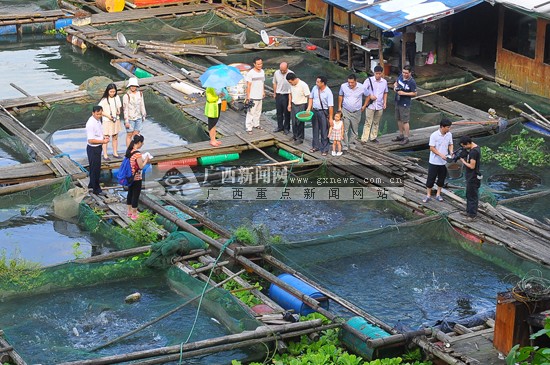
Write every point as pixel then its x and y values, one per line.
pixel 133 82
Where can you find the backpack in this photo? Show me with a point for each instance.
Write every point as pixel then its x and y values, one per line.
pixel 125 176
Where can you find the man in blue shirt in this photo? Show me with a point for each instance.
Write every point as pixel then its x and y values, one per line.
pixel 350 103
pixel 405 89
pixel 321 101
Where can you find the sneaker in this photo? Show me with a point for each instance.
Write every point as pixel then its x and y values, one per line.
pixel 334 153
pixel 277 130
pixel 404 141
pixel 464 214
pixel 398 139
pixel 298 141
pixel 426 199
pixel 375 141
pixel 439 198
pixel 471 218
pixel 286 132
pixel 339 153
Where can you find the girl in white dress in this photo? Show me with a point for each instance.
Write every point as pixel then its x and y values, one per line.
pixel 111 104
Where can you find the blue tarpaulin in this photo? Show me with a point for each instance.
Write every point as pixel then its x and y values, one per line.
pixel 395 14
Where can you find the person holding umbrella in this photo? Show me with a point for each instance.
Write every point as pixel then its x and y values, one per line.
pixel 215 79
pixel 212 110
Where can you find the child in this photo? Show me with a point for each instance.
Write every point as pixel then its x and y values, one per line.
pixel 336 134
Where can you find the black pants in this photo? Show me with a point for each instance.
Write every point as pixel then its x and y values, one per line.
pixel 94 162
pixel 283 115
pixel 439 171
pixel 319 124
pixel 472 196
pixel 297 126
pixel 213 121
pixel 134 191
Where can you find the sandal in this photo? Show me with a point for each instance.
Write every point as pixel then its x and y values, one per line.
pixel 116 156
pixel 249 132
pixel 313 150
pixel 259 127
pixel 324 154
pixel 106 158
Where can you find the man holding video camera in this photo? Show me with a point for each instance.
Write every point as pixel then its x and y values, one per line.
pixel 471 159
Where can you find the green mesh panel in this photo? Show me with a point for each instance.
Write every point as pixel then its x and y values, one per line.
pixel 176 244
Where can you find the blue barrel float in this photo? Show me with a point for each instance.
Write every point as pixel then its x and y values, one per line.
pixel 62 23
pixel 289 301
pixel 359 347
pixel 8 29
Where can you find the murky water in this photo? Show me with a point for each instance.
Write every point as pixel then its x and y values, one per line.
pixel 66 325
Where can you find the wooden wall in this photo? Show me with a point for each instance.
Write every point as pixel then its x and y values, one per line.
pixel 520 72
pixel 319 8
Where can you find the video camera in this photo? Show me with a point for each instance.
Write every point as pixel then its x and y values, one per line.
pixel 461 152
pixel 248 105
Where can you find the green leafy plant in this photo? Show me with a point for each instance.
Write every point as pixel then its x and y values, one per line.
pixel 521 150
pixel 531 355
pixel 17 271
pixel 61 31
pixel 210 233
pixel 77 252
pixel 144 230
pixel 246 236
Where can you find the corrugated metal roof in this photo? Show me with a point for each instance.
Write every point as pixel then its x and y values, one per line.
pixel 394 14
pixel 541 7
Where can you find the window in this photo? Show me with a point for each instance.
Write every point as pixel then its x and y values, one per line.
pixel 547 45
pixel 520 33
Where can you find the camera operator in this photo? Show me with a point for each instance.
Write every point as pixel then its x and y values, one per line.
pixel 473 177
pixel 441 147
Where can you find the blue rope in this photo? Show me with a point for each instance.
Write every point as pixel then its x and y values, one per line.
pixel 76 163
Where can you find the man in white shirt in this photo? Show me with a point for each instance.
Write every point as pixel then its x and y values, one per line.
pixel 94 135
pixel 281 89
pixel 297 102
pixel 441 145
pixel 255 92
pixel 376 91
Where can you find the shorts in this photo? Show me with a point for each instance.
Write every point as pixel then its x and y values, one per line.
pixel 135 125
pixel 402 113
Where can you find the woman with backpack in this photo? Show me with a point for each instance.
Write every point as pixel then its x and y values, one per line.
pixel 137 162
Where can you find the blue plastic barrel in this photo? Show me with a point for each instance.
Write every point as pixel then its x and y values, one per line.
pixel 8 29
pixel 62 23
pixel 289 301
pixel 354 344
pixel 127 65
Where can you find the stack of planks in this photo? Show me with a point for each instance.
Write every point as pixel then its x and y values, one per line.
pixel 179 49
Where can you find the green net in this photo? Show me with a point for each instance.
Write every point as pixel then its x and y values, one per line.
pixel 13 150
pixel 199 29
pixel 409 275
pixel 175 245
pixel 110 235
pixel 17 6
pixel 68 310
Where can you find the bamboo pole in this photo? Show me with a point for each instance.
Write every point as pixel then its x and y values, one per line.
pixel 170 312
pixel 524 197
pixel 29 95
pixel 288 21
pixel 256 148
pixel 259 332
pixel 306 299
pixel 9 189
pixel 232 346
pixel 399 338
pixel 537 113
pixel 448 89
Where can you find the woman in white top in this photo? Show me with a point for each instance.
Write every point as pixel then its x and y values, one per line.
pixel 111 104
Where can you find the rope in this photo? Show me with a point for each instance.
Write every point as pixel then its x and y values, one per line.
pixel 75 162
pixel 225 245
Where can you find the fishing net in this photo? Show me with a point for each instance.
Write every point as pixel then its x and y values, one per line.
pixel 16 6
pixel 66 311
pixel 175 245
pixel 198 29
pixel 13 150
pixel 412 266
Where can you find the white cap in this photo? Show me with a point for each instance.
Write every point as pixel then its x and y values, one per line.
pixel 133 82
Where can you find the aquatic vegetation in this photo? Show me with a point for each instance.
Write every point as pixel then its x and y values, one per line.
pixel 328 350
pixel 144 230
pixel 520 150
pixel 17 271
pixel 254 235
pixel 210 233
